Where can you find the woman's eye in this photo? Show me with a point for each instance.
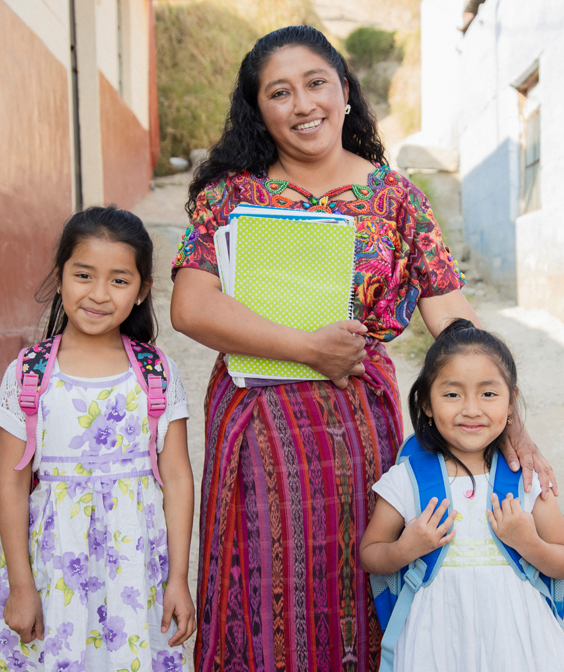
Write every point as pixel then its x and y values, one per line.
pixel 279 94
pixel 318 82
pixel 83 276
pixel 120 281
pixel 490 395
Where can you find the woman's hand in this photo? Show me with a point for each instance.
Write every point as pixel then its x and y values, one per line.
pixel 23 613
pixel 519 450
pixel 426 533
pixel 177 602
pixel 337 351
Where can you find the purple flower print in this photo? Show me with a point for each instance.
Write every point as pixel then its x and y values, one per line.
pixel 49 519
pixel 154 569
pixel 67 666
pixel 129 597
pixel 65 630
pixel 8 642
pixel 17 661
pixel 113 634
pixel 33 511
pixel 102 432
pixel 149 511
pixel 140 544
pixel 47 546
pixel 112 562
pixel 96 543
pixel 53 645
pixel 90 586
pixel 167 661
pixel 75 569
pixel 4 592
pixel 163 562
pixel 158 541
pixel 115 411
pixel 41 658
pixel 102 612
pixel 132 428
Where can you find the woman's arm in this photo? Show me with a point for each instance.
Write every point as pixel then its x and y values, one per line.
pixel 203 312
pixel 388 544
pixel 23 611
pixel 178 493
pixel 518 448
pixel 537 537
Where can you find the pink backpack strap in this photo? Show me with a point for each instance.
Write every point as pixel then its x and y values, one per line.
pixel 34 382
pixel 153 387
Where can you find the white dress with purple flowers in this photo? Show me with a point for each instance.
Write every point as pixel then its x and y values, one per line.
pixel 97 534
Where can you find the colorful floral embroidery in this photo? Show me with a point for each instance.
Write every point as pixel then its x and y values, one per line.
pixel 400 255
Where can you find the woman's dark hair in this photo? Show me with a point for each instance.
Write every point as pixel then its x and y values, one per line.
pixel 246 145
pixel 460 337
pixel 119 226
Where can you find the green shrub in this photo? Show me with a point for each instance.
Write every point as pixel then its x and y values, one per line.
pixel 367 46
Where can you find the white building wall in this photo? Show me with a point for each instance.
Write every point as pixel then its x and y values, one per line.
pixel 469 93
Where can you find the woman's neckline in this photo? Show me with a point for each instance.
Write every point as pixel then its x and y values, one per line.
pixel 361 191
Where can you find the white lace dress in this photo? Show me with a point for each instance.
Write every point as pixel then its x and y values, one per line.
pixel 97 535
pixel 477 615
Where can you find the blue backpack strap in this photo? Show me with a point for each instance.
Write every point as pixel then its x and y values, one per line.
pixel 504 481
pixel 429 479
pixel 151 369
pixel 410 446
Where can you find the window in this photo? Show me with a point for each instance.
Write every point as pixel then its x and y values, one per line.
pixel 529 108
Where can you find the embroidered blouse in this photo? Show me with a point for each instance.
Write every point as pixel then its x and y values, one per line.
pixel 399 257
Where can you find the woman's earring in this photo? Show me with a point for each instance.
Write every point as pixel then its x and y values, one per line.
pixel 58 290
pixel 509 419
pixel 138 302
pixel 430 421
pixel 347 109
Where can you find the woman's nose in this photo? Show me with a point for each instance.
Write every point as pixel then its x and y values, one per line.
pixel 303 102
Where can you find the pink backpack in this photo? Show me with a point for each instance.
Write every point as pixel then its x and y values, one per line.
pixel 35 365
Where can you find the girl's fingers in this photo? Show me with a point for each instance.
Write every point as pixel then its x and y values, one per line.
pixel 447 538
pixel 181 635
pixel 440 511
pixel 515 505
pixel 39 630
pixel 449 522
pixel 506 504
pixel 496 508
pixel 167 617
pixel 427 512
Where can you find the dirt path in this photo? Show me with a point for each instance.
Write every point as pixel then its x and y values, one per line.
pixel 535 338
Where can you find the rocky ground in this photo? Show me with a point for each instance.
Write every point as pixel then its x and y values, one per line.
pixel 535 337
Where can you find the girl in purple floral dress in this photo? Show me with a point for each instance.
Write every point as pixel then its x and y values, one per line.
pixel 94 563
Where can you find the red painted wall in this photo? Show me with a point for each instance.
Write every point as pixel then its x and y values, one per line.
pixel 126 150
pixel 35 174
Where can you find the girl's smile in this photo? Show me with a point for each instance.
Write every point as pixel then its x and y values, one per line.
pixel 100 286
pixel 470 404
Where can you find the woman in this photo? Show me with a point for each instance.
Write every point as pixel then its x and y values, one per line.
pixel 288 468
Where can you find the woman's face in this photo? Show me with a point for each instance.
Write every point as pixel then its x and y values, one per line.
pixel 302 103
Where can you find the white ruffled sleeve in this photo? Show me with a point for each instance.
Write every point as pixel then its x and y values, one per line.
pixel 176 403
pixel 531 497
pixel 12 418
pixel 395 487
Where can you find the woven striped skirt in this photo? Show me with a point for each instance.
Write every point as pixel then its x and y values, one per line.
pixel 286 497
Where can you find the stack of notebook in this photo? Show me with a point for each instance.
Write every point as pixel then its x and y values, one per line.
pixel 292 267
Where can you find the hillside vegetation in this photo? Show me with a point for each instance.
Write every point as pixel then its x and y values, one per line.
pixel 200 46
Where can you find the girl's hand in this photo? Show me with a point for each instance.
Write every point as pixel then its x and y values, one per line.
pixel 23 613
pixel 511 524
pixel 177 602
pixel 337 351
pixel 425 534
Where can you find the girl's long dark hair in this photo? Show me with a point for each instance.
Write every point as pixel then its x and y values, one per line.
pixel 460 337
pixel 246 145
pixel 119 226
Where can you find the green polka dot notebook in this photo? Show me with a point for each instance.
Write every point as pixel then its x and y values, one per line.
pixel 291 267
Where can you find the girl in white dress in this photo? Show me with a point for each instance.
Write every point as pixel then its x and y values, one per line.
pixel 477 615
pixel 94 563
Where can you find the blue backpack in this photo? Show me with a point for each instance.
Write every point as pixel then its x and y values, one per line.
pixel 394 593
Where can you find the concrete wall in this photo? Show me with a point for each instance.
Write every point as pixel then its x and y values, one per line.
pixel 36 169
pixel 470 103
pixel 37 174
